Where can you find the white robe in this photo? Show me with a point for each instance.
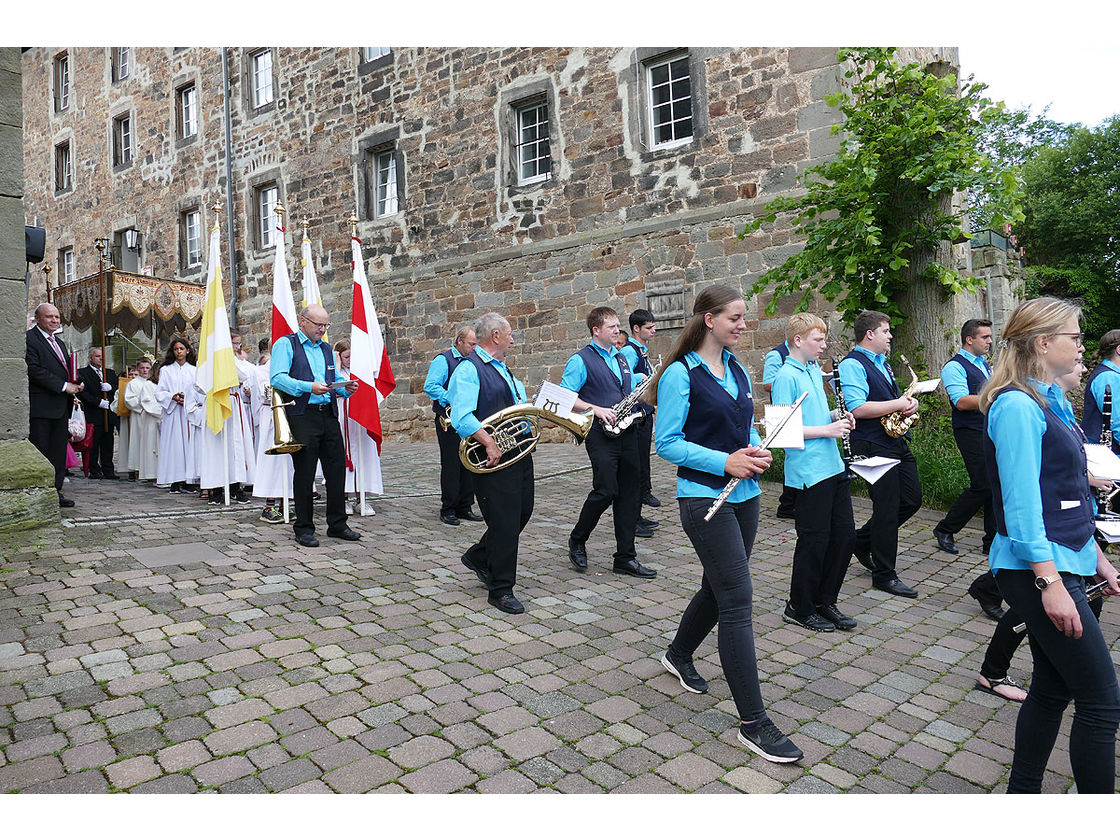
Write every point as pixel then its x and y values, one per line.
pixel 363 462
pixel 178 439
pixel 274 473
pixel 234 445
pixel 143 441
pixel 124 432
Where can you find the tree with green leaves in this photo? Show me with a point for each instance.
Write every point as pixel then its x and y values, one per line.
pixel 878 219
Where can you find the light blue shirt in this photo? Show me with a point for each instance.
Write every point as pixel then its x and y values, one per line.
pixel 1109 377
pixel 575 371
pixel 853 378
pixel 1016 425
pixel 954 378
pixel 281 363
pixel 771 364
pixel 820 459
pixel 673 405
pixel 435 385
pixel 463 392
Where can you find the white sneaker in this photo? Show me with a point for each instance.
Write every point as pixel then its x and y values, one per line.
pixel 349 508
pixel 367 509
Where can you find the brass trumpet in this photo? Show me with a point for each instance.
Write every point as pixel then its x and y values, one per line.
pixel 444 418
pixel 283 443
pixel 517 429
pixel 896 423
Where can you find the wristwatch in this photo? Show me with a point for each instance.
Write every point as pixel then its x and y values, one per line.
pixel 1042 582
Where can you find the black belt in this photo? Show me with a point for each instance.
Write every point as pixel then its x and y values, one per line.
pixel 319 406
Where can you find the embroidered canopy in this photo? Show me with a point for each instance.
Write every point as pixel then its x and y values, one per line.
pixel 136 303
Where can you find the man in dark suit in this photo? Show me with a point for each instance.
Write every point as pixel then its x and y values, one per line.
pixel 50 392
pixel 99 392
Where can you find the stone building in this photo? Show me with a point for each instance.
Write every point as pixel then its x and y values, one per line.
pixel 535 182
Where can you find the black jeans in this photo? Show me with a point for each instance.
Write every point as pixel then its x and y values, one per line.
pixel 1064 669
pixel 456 487
pixel 894 498
pixel 724 547
pixel 49 435
pixel 506 499
pixel 319 432
pixel 101 452
pixel 614 473
pixel 825 533
pixel 978 494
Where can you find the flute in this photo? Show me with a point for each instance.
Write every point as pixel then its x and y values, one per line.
pixel 733 483
pixel 1092 593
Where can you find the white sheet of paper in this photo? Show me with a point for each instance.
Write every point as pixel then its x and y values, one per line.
pixel 1103 462
pixel 873 468
pixel 556 399
pixel 927 386
pixel 792 435
pixel 1109 529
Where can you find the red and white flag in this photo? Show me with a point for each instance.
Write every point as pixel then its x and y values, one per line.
pixel 283 304
pixel 369 361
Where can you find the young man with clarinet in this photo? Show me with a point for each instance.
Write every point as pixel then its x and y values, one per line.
pixel 1100 418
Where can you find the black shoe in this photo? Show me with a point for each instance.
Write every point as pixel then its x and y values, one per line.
pixel 684 671
pixel 63 502
pixel 864 558
pixel 812 621
pixel 95 476
pixel 647 523
pixel 992 609
pixel 768 741
pixel 945 541
pixel 577 554
pixel 651 500
pixel 307 540
pixel 449 519
pixel 176 487
pixel 896 587
pixel 345 533
pixel 829 612
pixel 470 516
pixel 633 568
pixel 506 603
pixel 643 530
pixel 482 575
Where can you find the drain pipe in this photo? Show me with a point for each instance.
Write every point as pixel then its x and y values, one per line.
pixel 229 194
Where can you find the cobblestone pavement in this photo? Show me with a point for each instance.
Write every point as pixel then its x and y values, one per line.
pixel 155 645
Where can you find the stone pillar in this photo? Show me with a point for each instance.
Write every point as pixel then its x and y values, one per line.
pixel 27 497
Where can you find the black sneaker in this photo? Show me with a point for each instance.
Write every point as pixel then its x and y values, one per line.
pixel 812 621
pixel 767 740
pixel 684 671
pixel 830 612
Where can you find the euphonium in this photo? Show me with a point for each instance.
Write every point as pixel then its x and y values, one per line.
pixel 516 429
pixel 896 423
pixel 282 441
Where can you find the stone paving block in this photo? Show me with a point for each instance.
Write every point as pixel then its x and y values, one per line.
pixel 173 784
pixel 35 747
pixel 337 755
pixel 614 709
pixel 132 720
pixel 240 712
pixel 508 781
pixel 297 695
pixel 183 756
pixel 96 754
pixel 132 771
pixel 289 774
pixel 87 781
pixel 239 738
pixel 362 775
pixel 222 770
pixel 420 751
pixel 268 755
pixel 445 776
pixel 308 740
pixel 39 707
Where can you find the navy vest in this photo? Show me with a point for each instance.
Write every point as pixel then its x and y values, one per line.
pixel 782 350
pixel 716 421
pixel 601 387
pixel 1063 478
pixel 452 363
pixel 871 429
pixel 1092 420
pixel 301 370
pixel 642 367
pixel 970 419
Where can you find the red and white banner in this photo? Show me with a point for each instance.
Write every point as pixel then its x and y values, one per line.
pixel 283 304
pixel 369 361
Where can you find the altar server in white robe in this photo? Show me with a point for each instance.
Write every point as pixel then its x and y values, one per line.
pixel 273 479
pixel 363 464
pixel 124 421
pixel 178 439
pixel 233 446
pixel 143 440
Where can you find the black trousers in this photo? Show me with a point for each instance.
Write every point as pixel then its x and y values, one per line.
pixel 614 468
pixel 894 498
pixel 978 494
pixel 506 499
pixel 456 485
pixel 826 531
pixel 321 437
pixel 101 452
pixel 787 501
pixel 49 436
pixel 645 441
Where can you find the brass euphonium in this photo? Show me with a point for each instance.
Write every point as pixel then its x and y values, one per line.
pixel 516 429
pixel 282 441
pixel 896 423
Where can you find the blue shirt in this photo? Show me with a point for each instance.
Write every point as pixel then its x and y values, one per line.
pixel 1108 377
pixel 463 393
pixel 853 378
pixel 820 459
pixel 672 410
pixel 435 386
pixel 575 371
pixel 954 379
pixel 771 364
pixel 281 363
pixel 1016 425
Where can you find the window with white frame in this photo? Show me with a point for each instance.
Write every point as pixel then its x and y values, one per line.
pixel 534 156
pixel 187 110
pixel 191 228
pixel 122 62
pixel 65 265
pixel 63 169
pixel 371 53
pixel 261 69
pixel 386 199
pixel 62 82
pixel 122 140
pixel 267 196
pixel 669 92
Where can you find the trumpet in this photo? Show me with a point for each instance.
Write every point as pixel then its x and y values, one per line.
pixel 283 442
pixel 444 418
pixel 896 423
pixel 516 430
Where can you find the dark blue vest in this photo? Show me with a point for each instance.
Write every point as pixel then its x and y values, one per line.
pixel 871 429
pixel 970 419
pixel 642 367
pixel 494 390
pixel 601 387
pixel 1092 420
pixel 452 363
pixel 783 351
pixel 1063 478
pixel 716 421
pixel 301 370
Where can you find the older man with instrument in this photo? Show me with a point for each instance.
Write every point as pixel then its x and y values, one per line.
pixel 480 387
pixel 601 377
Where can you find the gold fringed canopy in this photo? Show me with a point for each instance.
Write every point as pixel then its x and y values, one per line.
pixel 137 303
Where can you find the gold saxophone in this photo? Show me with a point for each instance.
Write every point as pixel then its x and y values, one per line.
pixel 896 423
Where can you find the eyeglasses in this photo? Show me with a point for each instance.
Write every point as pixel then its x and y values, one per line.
pixel 1079 337
pixel 316 323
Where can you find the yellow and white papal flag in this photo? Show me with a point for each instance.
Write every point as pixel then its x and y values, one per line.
pixel 217 370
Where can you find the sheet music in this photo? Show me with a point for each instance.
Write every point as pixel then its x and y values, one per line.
pixel 927 386
pixel 873 468
pixel 1102 462
pixel 555 398
pixel 1109 529
pixel 792 435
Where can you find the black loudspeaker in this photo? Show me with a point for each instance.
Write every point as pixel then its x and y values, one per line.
pixel 35 239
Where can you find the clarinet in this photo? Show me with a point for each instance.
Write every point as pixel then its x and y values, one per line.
pixel 1103 495
pixel 842 407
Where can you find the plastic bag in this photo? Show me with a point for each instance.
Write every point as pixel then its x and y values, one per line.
pixel 77 425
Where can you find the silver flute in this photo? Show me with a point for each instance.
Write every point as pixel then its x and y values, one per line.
pixel 1092 593
pixel 733 483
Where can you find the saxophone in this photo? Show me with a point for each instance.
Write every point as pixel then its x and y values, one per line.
pixel 896 423
pixel 626 410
